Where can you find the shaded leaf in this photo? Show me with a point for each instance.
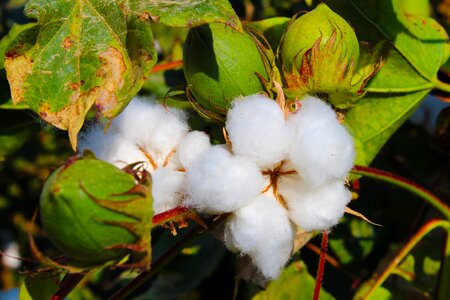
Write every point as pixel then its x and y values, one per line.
pixel 86 53
pixel 39 286
pixel 187 13
pixel 294 283
pixel 197 261
pixel 15 128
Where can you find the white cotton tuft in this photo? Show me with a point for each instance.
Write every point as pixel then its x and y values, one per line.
pixel 219 182
pixel 192 146
pixel 263 231
pixel 11 259
pixel 322 148
pixel 257 129
pixel 168 187
pixel 110 146
pixel 315 208
pixel 152 126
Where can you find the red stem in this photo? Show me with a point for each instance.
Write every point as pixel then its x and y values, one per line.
pixel 167 66
pixel 321 267
pixel 69 282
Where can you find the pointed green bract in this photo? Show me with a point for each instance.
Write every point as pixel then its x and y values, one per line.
pixel 95 213
pixel 220 64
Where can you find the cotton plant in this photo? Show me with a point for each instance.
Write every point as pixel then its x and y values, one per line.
pixel 277 172
pixel 154 135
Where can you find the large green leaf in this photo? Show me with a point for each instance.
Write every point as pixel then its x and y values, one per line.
pixel 376 117
pixel 186 13
pixel 408 75
pixel 421 40
pixel 294 283
pixel 398 76
pixel 86 53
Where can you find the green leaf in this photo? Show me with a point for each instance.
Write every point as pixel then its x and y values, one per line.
pixel 376 117
pixel 187 13
pixel 294 283
pixel 39 286
pixel 421 40
pixel 86 53
pixel 398 76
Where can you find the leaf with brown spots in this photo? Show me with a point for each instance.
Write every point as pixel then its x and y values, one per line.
pixel 186 13
pixel 87 52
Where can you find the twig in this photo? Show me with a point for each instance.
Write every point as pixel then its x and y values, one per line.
pixel 406 184
pixel 69 282
pixel 321 267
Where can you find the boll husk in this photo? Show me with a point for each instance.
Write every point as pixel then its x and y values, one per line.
pixel 95 213
pixel 221 63
pixel 321 56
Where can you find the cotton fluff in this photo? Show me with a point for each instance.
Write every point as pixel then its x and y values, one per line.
pixel 152 126
pixel 192 146
pixel 110 146
pixel 257 129
pixel 322 149
pixel 314 208
pixel 263 231
pixel 167 189
pixel 219 182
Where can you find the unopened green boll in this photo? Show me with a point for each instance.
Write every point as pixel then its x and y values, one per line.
pixel 220 64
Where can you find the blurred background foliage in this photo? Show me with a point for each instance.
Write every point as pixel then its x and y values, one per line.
pixel 420 151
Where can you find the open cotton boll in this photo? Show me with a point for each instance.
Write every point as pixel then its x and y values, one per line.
pixel 218 182
pixel 322 148
pixel 110 146
pixel 152 126
pixel 262 230
pixel 167 189
pixel 322 153
pixel 192 146
pixel 257 129
pixel 315 209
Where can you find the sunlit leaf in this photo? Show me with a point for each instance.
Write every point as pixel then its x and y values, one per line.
pixel 86 53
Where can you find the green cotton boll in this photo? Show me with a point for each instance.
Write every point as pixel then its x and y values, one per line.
pixel 320 54
pixel 82 211
pixel 320 23
pixel 220 64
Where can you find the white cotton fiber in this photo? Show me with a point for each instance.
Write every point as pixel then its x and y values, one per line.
pixel 315 208
pixel 110 146
pixel 192 146
pixel 257 129
pixel 167 189
pixel 322 149
pixel 152 126
pixel 263 231
pixel 219 182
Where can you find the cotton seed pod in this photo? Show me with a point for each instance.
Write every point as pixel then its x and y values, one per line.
pixel 320 56
pixel 221 63
pixel 95 213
